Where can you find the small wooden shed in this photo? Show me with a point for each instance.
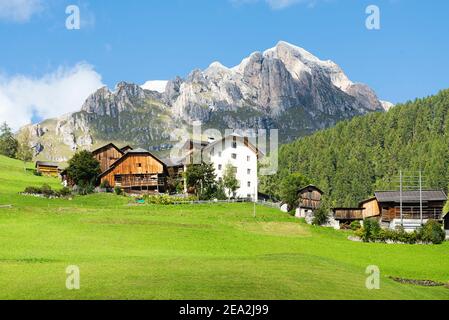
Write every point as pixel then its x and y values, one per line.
pixel 309 199
pixel 46 168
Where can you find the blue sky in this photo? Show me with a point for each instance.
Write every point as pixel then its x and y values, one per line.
pixel 139 40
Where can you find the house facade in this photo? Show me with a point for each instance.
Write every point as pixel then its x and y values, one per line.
pixel 309 199
pixel 49 169
pixel 410 209
pixel 238 152
pixel 107 155
pixel 137 171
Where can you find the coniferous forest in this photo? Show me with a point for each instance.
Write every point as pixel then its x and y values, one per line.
pixel 355 158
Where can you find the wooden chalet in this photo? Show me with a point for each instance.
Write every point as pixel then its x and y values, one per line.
pixel 433 202
pixel 107 155
pixel 386 207
pixel 309 200
pixel 137 171
pixel 50 169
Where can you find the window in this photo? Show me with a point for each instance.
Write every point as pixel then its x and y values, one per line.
pixel 248 171
pixel 212 152
pixel 220 167
pixel 139 165
pixel 249 183
pixel 248 158
pixel 234 156
pixel 234 145
pixel 118 178
pixel 219 154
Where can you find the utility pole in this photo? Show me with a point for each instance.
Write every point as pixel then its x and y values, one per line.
pixel 420 197
pixel 254 202
pixel 400 198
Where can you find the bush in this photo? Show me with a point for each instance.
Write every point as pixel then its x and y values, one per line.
pixel 370 230
pixel 355 225
pixel 321 216
pixel 118 191
pixel 85 188
pixel 168 200
pixel 432 232
pixel 65 192
pixel 33 190
pixel 105 185
pixel 37 173
pixel 47 191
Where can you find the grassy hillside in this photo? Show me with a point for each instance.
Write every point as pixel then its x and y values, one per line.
pixel 217 251
pixel 350 161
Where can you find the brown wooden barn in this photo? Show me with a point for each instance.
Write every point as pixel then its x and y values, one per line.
pixel 137 171
pixel 50 169
pixel 386 207
pixel 433 202
pixel 309 200
pixel 348 215
pixel 107 155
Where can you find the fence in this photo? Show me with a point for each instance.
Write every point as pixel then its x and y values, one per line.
pixel 263 203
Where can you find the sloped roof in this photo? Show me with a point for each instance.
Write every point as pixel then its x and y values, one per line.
pixel 311 186
pixel 47 164
pixel 126 155
pixel 173 162
pixel 138 150
pixel 410 196
pixel 109 145
pixel 250 145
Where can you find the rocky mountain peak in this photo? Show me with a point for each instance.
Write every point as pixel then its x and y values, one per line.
pixel 285 87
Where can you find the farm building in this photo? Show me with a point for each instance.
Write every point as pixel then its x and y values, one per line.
pixel 50 169
pixel 416 209
pixel 240 153
pixel 309 201
pixel 107 155
pixel 137 171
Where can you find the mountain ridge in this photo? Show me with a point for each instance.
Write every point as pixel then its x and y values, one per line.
pixel 285 88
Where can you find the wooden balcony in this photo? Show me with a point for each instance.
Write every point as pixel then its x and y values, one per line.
pixel 348 213
pixel 412 213
pixel 140 180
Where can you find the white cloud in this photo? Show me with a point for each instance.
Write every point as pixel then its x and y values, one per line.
pixel 19 10
pixel 52 95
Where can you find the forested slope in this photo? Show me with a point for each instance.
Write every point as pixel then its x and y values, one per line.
pixel 355 158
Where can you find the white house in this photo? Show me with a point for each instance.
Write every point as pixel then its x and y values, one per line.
pixel 242 155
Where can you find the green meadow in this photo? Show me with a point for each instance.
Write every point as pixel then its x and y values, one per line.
pixel 217 251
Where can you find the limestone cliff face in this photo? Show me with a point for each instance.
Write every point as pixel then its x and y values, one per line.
pixel 285 87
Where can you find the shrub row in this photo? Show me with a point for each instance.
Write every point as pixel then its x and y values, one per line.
pixel 167 200
pixel 431 232
pixel 48 192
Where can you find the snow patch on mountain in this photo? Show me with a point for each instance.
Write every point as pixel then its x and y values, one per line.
pixel 155 85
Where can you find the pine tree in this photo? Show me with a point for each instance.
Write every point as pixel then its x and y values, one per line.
pixel 8 143
pixel 24 150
